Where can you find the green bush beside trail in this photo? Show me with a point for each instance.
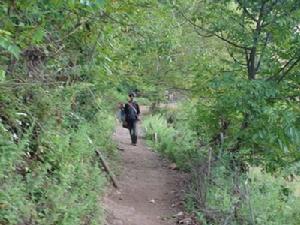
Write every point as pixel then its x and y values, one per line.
pixel 49 172
pixel 253 196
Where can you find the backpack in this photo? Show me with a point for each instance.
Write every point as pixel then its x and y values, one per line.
pixel 122 116
pixel 132 112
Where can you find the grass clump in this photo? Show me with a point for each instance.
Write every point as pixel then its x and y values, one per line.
pixel 178 144
pixel 49 172
pixel 219 193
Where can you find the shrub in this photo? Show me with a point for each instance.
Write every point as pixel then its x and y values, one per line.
pixel 49 173
pixel 178 144
pixel 255 197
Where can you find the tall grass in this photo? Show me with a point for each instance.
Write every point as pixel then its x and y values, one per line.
pixel 48 170
pixel 176 144
pixel 255 197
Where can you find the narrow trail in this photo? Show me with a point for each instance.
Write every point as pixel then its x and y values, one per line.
pixel 149 192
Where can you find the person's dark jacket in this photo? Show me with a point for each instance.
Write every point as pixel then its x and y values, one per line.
pixel 127 110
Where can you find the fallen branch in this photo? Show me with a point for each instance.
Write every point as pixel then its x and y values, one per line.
pixel 107 170
pixel 121 149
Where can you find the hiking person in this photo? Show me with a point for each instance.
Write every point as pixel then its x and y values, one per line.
pixel 132 112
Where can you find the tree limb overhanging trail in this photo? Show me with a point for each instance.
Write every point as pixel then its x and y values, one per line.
pixel 148 192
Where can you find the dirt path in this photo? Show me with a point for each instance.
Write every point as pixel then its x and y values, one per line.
pixel 149 190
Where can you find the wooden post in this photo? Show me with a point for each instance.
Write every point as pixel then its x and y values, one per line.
pixel 155 138
pixel 209 162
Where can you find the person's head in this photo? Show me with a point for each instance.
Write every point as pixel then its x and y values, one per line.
pixel 121 105
pixel 130 97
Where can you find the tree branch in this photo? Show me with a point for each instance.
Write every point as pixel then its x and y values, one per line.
pixel 246 11
pixel 262 52
pixel 288 70
pixel 212 33
pixel 235 60
pixel 283 71
pixel 252 68
pixel 275 16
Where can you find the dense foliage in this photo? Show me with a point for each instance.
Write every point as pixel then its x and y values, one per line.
pixel 55 109
pixel 235 64
pixel 241 111
pixel 217 193
pixel 256 87
pixel 49 173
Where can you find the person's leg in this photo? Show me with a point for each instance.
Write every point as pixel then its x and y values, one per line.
pixel 134 132
pixel 132 136
pixel 131 131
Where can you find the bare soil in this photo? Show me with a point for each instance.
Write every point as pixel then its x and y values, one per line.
pixel 150 192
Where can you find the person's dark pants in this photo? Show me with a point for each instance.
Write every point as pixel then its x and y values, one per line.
pixel 132 127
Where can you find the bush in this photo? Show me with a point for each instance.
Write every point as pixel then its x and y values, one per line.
pixel 273 199
pixel 143 101
pixel 49 173
pixel 260 198
pixel 177 143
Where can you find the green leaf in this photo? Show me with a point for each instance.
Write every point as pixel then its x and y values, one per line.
pixel 2 75
pixel 100 2
pixel 9 46
pixel 71 4
pixel 38 35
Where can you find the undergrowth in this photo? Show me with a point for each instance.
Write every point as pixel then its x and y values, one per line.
pixel 49 172
pixel 225 197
